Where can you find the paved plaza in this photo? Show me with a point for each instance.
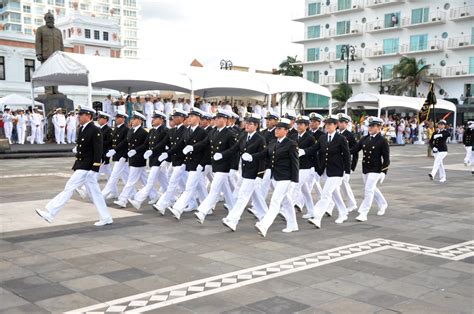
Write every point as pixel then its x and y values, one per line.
pixel 418 258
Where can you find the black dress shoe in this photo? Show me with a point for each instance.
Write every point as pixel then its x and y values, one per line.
pixel 431 176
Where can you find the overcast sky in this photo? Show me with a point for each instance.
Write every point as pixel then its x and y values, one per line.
pixel 253 33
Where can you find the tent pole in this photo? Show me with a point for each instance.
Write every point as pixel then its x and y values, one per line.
pixel 330 107
pixel 378 111
pixel 454 127
pixel 345 108
pixel 269 102
pixel 32 96
pixel 192 98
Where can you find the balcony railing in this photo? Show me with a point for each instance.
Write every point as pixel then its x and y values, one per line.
pixel 336 56
pixel 375 52
pixel 435 72
pixel 372 78
pixel 354 78
pixel 355 6
pixel 309 37
pixel 432 46
pixel 461 13
pixel 461 42
pixel 323 57
pixel 379 26
pixel 354 30
pixel 379 3
pixel 460 70
pixel 437 17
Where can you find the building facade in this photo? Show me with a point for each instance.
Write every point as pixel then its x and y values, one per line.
pixel 438 32
pixel 25 16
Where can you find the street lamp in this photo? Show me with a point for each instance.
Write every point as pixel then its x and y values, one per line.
pixel 226 64
pixel 347 52
pixel 380 75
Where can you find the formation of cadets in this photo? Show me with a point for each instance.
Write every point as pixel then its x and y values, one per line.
pixel 203 158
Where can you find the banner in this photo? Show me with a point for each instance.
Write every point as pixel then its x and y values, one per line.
pixel 424 113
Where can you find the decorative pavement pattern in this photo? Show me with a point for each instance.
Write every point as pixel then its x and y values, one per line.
pixel 196 289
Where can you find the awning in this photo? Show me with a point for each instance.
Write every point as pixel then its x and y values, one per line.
pixel 17 100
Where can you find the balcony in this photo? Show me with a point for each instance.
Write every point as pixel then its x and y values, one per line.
pixel 381 3
pixel 438 17
pixel 336 57
pixel 355 30
pixel 379 26
pixel 435 72
pixel 327 80
pixel 377 52
pixel 356 6
pixel 461 42
pixel 331 80
pixel 308 37
pixel 433 46
pixel 324 11
pixel 372 78
pixel 461 13
pixel 323 58
pixel 460 71
pixel 15 7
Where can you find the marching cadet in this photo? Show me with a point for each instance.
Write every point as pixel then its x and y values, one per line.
pixel 177 162
pixel 59 122
pixel 71 127
pixel 119 156
pixel 467 141
pixel 250 142
pixel 207 124
pixel 21 125
pixel 86 168
pixel 194 152
pixel 7 118
pixel 136 139
pixel 283 155
pixel 375 164
pixel 156 145
pixel 292 132
pixel 221 142
pixel 440 150
pixel 335 160
pixel 234 175
pixel 301 194
pixel 346 190
pixel 315 129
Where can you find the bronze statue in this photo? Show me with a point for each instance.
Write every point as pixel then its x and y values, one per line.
pixel 48 40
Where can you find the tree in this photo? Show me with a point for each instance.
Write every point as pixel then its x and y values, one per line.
pixel 341 93
pixel 291 67
pixel 408 74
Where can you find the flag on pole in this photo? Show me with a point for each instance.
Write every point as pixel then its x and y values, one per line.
pixel 424 113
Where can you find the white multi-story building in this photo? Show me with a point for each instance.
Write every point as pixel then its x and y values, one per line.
pixel 25 16
pixel 439 32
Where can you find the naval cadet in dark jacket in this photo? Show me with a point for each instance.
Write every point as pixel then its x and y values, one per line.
pixel 440 150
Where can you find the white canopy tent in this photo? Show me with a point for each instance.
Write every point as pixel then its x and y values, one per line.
pixel 127 75
pixel 17 100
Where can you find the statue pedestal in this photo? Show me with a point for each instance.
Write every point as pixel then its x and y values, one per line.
pixel 52 101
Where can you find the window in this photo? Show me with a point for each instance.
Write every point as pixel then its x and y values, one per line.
pixel 38 1
pixel 314 8
pixel 344 4
pixel 38 21
pixel 84 7
pixel 314 31
pixel 130 3
pixel 341 75
pixel 316 101
pixel 343 27
pixel 392 20
pixel 312 76
pixel 419 15
pixel 68 32
pixel 27 9
pixel 471 65
pixel 312 54
pixel 387 71
pixel 338 51
pixel 15 17
pixel 29 69
pixel 96 35
pixel 2 68
pixel 390 45
pixel 28 31
pixel 472 36
pixel 27 20
pixel 130 13
pixel 60 3
pixel 87 33
pixel 105 36
pixel 419 42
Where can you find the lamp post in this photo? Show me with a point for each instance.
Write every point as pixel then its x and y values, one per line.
pixel 347 52
pixel 380 75
pixel 226 64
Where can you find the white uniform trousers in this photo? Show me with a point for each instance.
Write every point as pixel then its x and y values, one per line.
pixel 438 165
pixel 120 170
pixel 346 192
pixel 79 178
pixel 21 132
pixel 219 184
pixel 247 191
pixel 156 175
pixel 370 192
pixel 330 191
pixel 317 182
pixel 106 169
pixel 35 135
pixel 71 135
pixel 59 134
pixel 8 128
pixel 280 202
pixel 265 184
pixel 467 158
pixel 172 192
pixel 301 194
pixel 135 174
pixel 208 175
pixel 193 189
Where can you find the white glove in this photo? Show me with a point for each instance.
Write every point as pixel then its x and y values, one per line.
pixel 437 135
pixel 199 168
pixel 188 149
pixel 382 177
pixel 132 153
pixel 346 177
pixel 435 150
pixel 247 157
pixel 110 153
pixel 217 156
pixel 74 150
pixel 147 154
pixel 301 152
pixel 122 159
pixel 162 157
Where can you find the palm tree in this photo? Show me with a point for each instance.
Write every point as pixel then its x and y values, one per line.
pixel 290 67
pixel 341 93
pixel 408 74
